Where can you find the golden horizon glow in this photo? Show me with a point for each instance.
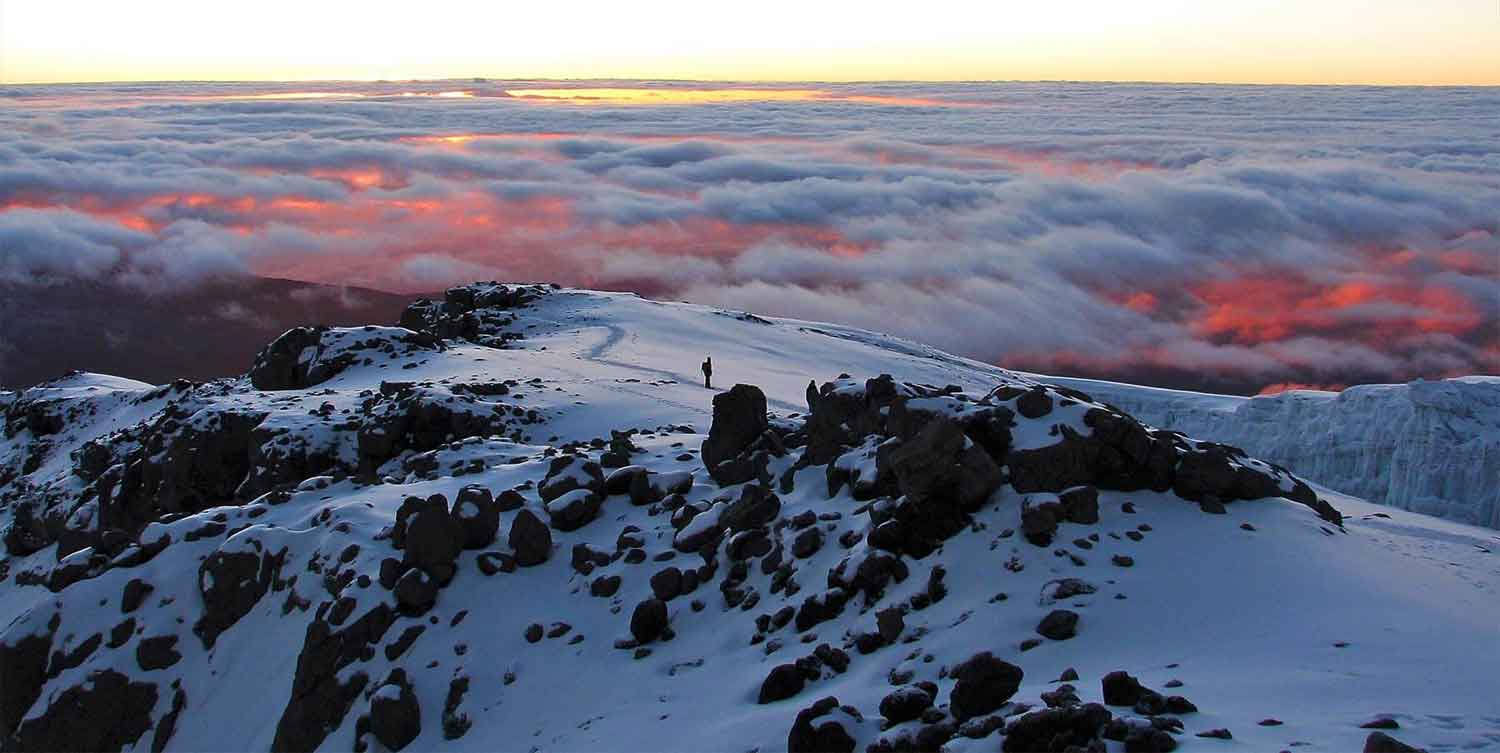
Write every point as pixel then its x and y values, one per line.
pixel 1441 42
pixel 692 96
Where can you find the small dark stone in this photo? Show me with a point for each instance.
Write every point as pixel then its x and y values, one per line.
pixel 649 620
pixel 605 586
pixel 1218 733
pixel 533 632
pixel 784 681
pixel 1058 625
pixel 1383 722
pixel 135 592
pixel 1176 704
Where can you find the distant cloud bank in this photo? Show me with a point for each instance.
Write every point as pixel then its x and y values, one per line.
pixel 1219 237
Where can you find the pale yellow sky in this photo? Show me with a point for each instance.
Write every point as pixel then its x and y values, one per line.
pixel 1242 41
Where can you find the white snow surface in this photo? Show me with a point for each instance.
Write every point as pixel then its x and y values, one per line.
pixel 1397 614
pixel 1428 446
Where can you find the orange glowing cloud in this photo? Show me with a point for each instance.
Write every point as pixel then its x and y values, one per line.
pixel 1280 387
pixel 1255 309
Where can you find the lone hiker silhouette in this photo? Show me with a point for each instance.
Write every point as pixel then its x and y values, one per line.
pixel 708 372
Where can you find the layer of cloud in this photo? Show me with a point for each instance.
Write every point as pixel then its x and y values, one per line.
pixel 1225 237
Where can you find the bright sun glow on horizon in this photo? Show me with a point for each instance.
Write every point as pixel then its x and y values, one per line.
pixel 1250 41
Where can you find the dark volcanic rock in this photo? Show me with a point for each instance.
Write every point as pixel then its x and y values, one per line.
pixel 530 538
pixel 783 682
pixel 395 715
pixel 1080 504
pixel 739 419
pixel 667 584
pixel 318 699
pixel 1039 522
pixel 809 735
pixel 984 684
pixel 1380 742
pixel 157 652
pixel 905 703
pixel 1034 403
pixel 570 472
pixel 574 510
pixel 416 591
pixel 940 462
pixel 1057 729
pixel 231 584
pixel 754 508
pixel 649 620
pixel 434 537
pixel 1121 689
pixel 478 514
pixel 1058 625
pixel 23 670
pixel 106 712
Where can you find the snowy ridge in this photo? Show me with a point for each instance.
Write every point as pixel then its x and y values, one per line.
pixel 1430 447
pixel 521 522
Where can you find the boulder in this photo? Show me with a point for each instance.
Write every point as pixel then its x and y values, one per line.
pixel 813 733
pixel 1071 727
pixel 574 510
pixel 1080 504
pixel 984 684
pixel 667 584
pixel 434 537
pixel 478 514
pixel 905 704
pixel 1380 742
pixel 1034 403
pixel 1058 625
pixel 1121 689
pixel 530 538
pixel 416 591
pixel 781 683
pixel 568 473
pixel 1039 522
pixel 755 507
pixel 649 620
pixel 395 715
pixel 941 462
pixel 739 419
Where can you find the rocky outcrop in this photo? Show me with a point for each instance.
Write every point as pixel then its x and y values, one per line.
pixel 304 357
pixel 105 712
pixel 319 700
pixel 480 312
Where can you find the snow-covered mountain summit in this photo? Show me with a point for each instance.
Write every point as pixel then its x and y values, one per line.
pixel 520 521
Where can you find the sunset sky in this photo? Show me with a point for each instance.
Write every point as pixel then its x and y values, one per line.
pixel 1264 41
